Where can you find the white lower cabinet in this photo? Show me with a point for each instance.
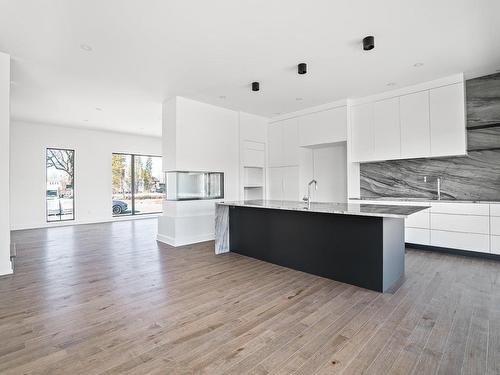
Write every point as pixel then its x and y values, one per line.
pixel 495 225
pixel 480 209
pixel 275 182
pixel 461 241
pixel 460 223
pixel 495 209
pixel 417 236
pixel 495 244
pixel 419 220
pixel 291 184
pixel 284 183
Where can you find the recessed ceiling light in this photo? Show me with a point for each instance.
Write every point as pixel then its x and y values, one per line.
pixel 98 109
pixel 391 84
pixel 86 47
pixel 299 98
pixel 86 120
pixel 277 113
pixel 222 97
pixel 418 65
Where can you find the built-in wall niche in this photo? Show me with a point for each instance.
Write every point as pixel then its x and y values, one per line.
pixel 327 164
pixel 253 183
pixel 253 177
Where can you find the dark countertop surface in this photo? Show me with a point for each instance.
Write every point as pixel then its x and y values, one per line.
pixel 342 208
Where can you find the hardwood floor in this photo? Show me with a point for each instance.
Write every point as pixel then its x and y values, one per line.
pixel 109 299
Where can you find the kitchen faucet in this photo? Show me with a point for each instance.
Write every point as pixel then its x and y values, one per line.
pixel 307 198
pixel 438 189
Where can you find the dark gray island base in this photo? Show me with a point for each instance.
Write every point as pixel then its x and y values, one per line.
pixel 362 246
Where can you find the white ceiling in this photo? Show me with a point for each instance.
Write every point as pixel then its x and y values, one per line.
pixel 145 51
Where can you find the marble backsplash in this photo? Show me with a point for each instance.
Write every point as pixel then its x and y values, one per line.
pixel 472 177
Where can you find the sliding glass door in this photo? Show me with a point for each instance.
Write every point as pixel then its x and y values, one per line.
pixel 138 186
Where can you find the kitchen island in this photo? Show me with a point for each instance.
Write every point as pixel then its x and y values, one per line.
pixel 359 244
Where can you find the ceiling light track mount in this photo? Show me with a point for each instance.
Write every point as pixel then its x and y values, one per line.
pixel 302 68
pixel 368 42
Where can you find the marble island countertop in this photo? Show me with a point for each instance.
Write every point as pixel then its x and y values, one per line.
pixel 343 208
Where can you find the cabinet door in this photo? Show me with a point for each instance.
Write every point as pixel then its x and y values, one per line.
pixel 386 130
pixel 362 132
pixel 291 183
pixel 418 236
pixel 415 126
pixel 275 183
pixel 275 144
pixel 328 126
pixel 447 117
pixel 290 142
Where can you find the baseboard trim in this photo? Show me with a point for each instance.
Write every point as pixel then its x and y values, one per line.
pixel 73 223
pixel 447 250
pixel 6 271
pixel 177 242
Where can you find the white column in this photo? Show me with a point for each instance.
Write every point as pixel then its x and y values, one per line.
pixel 197 137
pixel 5 265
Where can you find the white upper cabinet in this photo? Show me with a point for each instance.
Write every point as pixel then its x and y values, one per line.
pixel 427 120
pixel 283 143
pixel 322 127
pixel 362 132
pixel 275 183
pixel 386 129
pixel 415 125
pixel 275 144
pixel 447 117
pixel 290 141
pixel 291 183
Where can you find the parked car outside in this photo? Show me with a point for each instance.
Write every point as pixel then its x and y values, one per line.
pixel 119 207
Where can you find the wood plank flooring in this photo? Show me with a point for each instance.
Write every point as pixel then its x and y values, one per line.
pixel 109 299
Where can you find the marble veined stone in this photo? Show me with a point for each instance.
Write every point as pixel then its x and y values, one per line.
pixel 221 229
pixel 472 177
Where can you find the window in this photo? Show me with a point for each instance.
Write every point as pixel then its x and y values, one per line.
pixel 60 178
pixel 138 186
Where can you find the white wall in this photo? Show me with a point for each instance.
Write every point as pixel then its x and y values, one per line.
pixel 327 164
pixel 93 150
pixel 5 265
pixel 197 137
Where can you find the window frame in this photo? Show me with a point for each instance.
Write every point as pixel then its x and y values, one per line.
pixel 132 167
pixel 74 190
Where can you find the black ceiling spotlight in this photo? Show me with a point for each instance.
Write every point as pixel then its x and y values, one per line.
pixel 302 68
pixel 255 86
pixel 368 42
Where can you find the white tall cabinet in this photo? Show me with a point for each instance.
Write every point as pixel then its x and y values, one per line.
pixel 283 138
pixel 284 183
pixel 283 160
pixel 290 137
pixel 253 141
